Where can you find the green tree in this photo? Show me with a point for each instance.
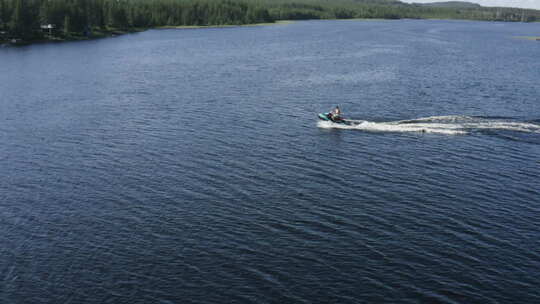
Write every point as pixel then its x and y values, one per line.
pixel 67 25
pixel 20 26
pixel 4 15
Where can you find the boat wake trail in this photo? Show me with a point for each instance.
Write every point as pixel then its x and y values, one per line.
pixel 450 125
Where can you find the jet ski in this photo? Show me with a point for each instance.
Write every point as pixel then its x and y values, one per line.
pixel 339 120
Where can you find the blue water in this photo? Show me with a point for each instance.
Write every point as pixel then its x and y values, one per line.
pixel 188 166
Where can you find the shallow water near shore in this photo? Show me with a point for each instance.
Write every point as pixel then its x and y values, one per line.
pixel 188 166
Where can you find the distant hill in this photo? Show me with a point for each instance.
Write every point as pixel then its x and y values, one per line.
pixel 380 2
pixel 451 4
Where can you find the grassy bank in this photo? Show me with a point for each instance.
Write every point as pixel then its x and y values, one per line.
pixel 537 38
pixel 281 22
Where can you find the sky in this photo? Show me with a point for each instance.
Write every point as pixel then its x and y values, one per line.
pixel 513 3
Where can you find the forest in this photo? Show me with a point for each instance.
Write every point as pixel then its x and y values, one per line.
pixel 38 20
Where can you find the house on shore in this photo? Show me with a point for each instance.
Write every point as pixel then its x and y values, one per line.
pixel 48 28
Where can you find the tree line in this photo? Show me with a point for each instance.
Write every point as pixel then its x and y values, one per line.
pixel 23 19
pixel 391 9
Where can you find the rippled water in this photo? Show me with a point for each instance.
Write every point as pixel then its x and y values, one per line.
pixel 187 166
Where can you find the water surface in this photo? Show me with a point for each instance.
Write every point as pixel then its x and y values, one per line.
pixel 187 166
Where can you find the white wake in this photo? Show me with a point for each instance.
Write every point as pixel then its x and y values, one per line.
pixel 449 125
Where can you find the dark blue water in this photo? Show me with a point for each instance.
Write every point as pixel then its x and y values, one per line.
pixel 187 166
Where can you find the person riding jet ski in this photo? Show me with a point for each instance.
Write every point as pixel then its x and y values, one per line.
pixel 335 114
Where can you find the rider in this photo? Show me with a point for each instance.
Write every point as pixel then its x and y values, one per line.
pixel 336 114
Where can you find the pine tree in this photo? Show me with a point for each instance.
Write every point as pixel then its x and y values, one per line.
pixel 67 25
pixel 4 13
pixel 19 26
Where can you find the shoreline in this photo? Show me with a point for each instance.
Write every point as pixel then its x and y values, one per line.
pixel 171 27
pixel 117 32
pixel 74 38
pixel 532 38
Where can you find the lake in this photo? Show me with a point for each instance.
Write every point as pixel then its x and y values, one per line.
pixel 188 166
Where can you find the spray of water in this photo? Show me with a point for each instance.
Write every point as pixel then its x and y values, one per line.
pixel 449 125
